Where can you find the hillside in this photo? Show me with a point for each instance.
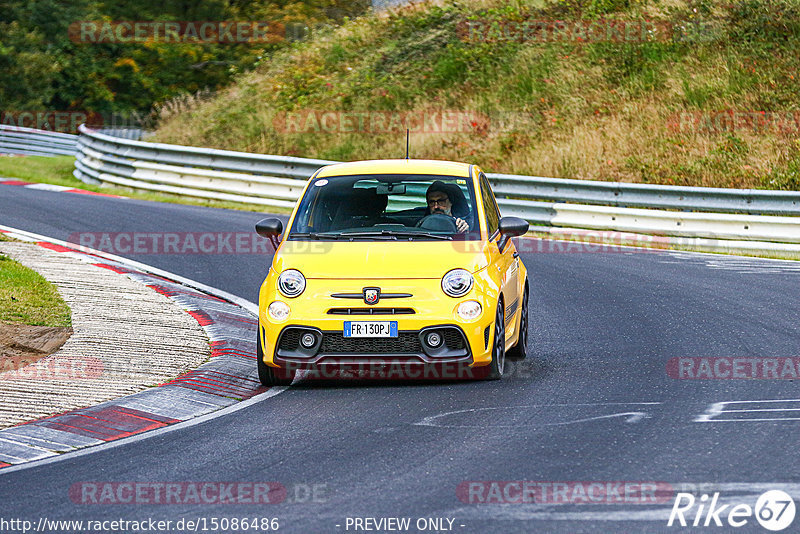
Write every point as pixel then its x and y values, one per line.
pixel 668 92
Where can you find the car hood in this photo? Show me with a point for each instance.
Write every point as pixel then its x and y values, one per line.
pixel 389 259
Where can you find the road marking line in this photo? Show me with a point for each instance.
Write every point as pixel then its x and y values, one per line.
pixel 718 408
pixel 632 417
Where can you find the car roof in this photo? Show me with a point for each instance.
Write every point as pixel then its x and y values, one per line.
pixel 397 166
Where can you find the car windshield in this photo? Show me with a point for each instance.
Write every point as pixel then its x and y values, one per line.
pixel 387 207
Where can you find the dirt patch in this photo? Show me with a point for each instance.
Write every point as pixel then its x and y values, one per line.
pixel 22 345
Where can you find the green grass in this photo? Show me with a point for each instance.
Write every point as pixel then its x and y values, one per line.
pixel 27 298
pixel 58 171
pixel 601 110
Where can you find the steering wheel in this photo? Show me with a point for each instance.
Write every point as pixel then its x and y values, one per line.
pixel 438 222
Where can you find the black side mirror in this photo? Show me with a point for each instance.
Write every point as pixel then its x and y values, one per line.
pixel 269 228
pixel 511 227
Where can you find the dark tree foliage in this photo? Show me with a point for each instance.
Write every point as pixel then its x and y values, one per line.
pixel 45 67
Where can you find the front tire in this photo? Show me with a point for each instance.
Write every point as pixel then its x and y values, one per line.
pixel 519 351
pixel 270 376
pixel 498 364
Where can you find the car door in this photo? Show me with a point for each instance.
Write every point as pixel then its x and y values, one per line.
pixel 506 261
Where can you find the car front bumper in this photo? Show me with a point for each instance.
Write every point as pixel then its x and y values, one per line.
pixel 425 308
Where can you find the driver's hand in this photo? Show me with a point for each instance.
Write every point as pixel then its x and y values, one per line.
pixel 462 225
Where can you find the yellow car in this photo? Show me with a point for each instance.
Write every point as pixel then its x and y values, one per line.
pixel 400 267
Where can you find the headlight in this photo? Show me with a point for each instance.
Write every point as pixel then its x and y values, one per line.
pixel 291 283
pixel 278 310
pixel 469 310
pixel 457 283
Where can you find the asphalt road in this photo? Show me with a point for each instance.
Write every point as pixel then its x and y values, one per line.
pixel 592 403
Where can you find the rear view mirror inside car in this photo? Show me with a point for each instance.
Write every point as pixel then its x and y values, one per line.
pixel 391 189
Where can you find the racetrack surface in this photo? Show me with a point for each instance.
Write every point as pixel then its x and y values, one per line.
pixel 593 401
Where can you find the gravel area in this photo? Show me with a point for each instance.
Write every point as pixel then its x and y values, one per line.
pixel 126 338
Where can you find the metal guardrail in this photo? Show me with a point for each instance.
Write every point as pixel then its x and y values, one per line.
pixel 32 142
pixel 199 172
pixel 702 213
pixel 752 201
pixel 126 133
pixel 277 181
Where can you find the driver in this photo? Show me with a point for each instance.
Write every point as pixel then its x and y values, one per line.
pixel 440 202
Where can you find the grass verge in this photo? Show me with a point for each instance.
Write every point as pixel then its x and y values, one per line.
pixel 27 298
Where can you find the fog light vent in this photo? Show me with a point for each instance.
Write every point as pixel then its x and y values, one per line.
pixel 433 339
pixel 308 340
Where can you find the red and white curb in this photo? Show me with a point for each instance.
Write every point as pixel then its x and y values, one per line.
pixel 228 378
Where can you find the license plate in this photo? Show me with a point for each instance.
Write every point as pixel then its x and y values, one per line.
pixel 370 329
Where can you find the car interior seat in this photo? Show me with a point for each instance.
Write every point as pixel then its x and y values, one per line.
pixel 360 208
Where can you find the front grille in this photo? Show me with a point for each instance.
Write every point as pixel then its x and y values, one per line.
pixel 371 311
pixel 453 339
pixel 290 339
pixel 336 343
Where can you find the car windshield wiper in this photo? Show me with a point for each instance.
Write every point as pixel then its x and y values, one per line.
pixel 375 233
pixel 397 233
pixel 313 235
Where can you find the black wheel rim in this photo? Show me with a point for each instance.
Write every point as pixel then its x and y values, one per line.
pixel 499 341
pixel 523 332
